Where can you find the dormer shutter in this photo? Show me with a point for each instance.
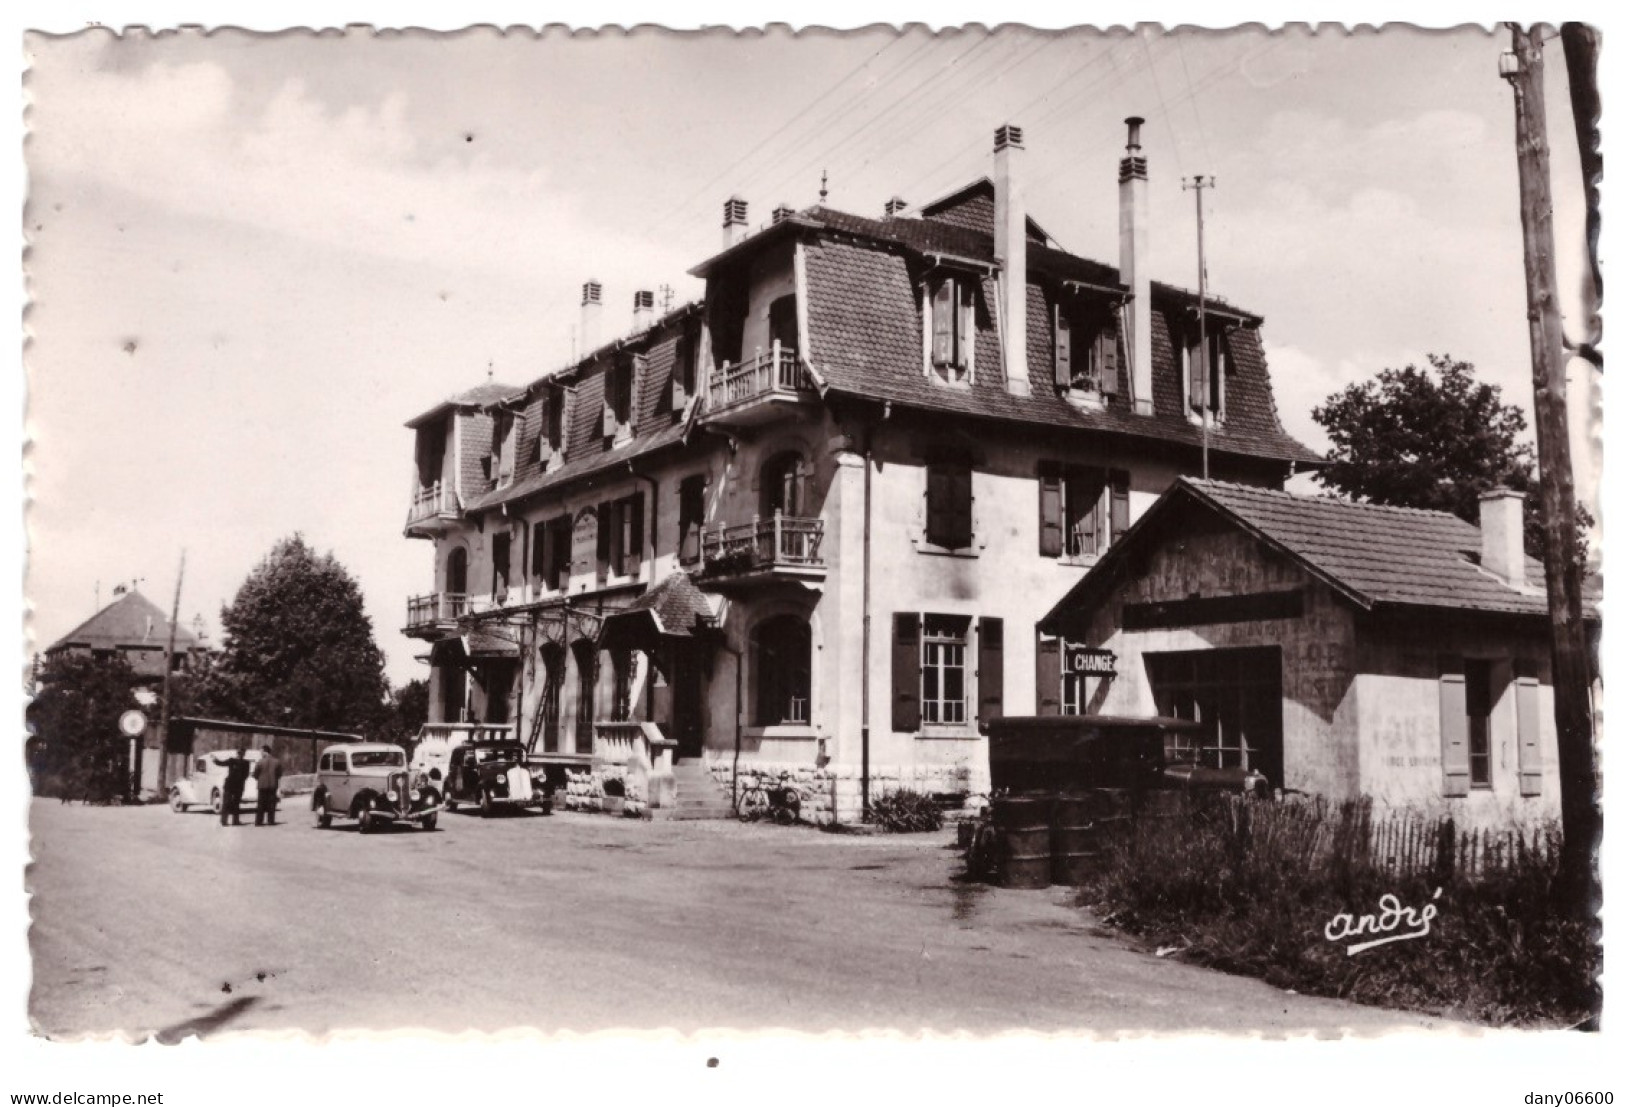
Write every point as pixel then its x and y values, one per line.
pixel 610 422
pixel 544 445
pixel 1063 348
pixel 1196 375
pixel 1110 363
pixel 942 323
pixel 967 324
pixel 682 360
pixel 1049 512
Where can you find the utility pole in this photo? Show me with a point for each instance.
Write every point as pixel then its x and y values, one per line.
pixel 1524 67
pixel 169 668
pixel 1199 185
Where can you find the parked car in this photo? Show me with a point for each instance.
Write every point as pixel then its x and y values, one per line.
pixel 206 783
pixel 369 782
pixel 493 774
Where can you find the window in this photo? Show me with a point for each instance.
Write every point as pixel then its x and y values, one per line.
pixel 783 483
pixel 618 389
pixel 781 323
pixel 1235 696
pixel 340 763
pixel 783 663
pixel 586 656
pixel 942 669
pixel 501 545
pixel 1088 353
pixel 690 517
pixel 682 375
pixel 622 662
pixel 1479 704
pixel 1081 510
pixel 457 572
pixel 500 468
pixel 948 502
pixel 550 552
pixel 1205 371
pixel 952 328
pixel 550 438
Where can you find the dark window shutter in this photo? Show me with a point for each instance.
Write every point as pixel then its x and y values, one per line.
pixel 683 357
pixel 1049 676
pixel 905 672
pixel 960 531
pixel 1049 512
pixel 965 334
pixel 1119 504
pixel 538 551
pixel 606 529
pixel 1109 360
pixel 937 520
pixel 563 538
pixel 1529 756
pixel 1453 725
pixel 634 545
pixel 989 671
pixel 690 512
pixel 1194 367
pixel 1063 348
pixel 942 324
pixel 1086 511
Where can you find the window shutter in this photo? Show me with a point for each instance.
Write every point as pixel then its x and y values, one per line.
pixel 1109 360
pixel 1453 725
pixel 1529 762
pixel 679 388
pixel 966 333
pixel 1049 676
pixel 942 324
pixel 610 425
pixel 1088 512
pixel 634 543
pixel 905 672
pixel 538 551
pixel 1119 505
pixel 606 528
pixel 1049 512
pixel 1195 375
pixel 960 530
pixel 562 539
pixel 1063 348
pixel 690 512
pixel 989 671
pixel 937 514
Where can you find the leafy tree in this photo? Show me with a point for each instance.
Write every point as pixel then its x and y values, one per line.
pixel 81 753
pixel 1433 438
pixel 298 647
pixel 409 705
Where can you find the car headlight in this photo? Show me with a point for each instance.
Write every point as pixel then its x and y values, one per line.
pixel 417 794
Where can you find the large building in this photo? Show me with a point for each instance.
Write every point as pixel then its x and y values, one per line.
pixel 810 522
pixel 134 628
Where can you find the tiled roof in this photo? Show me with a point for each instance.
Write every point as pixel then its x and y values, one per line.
pixel 1373 555
pixel 488 393
pixel 131 620
pixel 676 602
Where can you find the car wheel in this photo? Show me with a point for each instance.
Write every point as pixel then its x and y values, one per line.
pixel 323 819
pixel 368 823
pixel 429 821
pixel 176 804
pixel 486 806
pixel 215 801
pixel 451 804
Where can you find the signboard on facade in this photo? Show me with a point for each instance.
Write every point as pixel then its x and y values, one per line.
pixel 584 546
pixel 1090 662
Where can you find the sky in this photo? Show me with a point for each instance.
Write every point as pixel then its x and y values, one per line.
pixel 251 258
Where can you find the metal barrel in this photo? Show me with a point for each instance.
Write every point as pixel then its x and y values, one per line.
pixel 1081 826
pixel 1024 840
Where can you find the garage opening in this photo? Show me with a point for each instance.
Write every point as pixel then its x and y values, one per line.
pixel 1236 697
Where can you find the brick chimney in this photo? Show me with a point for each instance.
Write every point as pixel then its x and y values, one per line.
pixel 1010 252
pixel 1500 528
pixel 592 310
pixel 734 213
pixel 1133 254
pixel 643 309
pixel 895 207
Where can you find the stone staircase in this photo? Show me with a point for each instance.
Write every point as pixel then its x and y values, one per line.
pixel 697 795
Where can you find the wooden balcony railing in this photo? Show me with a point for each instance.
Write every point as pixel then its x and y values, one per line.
pixel 428 503
pixel 774 372
pixel 435 609
pixel 782 541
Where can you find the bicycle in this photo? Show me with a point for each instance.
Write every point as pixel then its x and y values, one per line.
pixel 781 803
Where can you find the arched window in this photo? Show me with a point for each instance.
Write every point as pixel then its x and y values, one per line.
pixel 784 485
pixel 552 690
pixel 586 655
pixel 782 659
pixel 457 572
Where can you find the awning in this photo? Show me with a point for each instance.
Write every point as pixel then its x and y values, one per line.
pixel 672 609
pixel 476 645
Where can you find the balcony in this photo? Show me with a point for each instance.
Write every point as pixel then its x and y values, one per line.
pixel 781 548
pixel 431 615
pixel 433 511
pixel 758 389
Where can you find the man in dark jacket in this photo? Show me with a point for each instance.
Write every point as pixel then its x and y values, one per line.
pixel 267 778
pixel 231 799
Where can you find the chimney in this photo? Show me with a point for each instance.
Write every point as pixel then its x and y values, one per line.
pixel 1133 245
pixel 733 220
pixel 781 213
pixel 643 310
pixel 1500 526
pixel 895 207
pixel 592 308
pixel 1010 252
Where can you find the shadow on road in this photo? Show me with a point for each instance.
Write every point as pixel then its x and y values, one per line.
pixel 206 1024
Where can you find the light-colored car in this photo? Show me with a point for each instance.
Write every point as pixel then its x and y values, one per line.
pixel 370 782
pixel 205 785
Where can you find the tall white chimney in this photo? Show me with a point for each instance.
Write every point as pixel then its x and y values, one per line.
pixel 643 310
pixel 734 214
pixel 1133 246
pixel 1010 251
pixel 1500 528
pixel 592 309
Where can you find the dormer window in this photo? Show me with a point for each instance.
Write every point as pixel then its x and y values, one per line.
pixel 1205 371
pixel 503 437
pixel 550 435
pixel 682 374
pixel 951 328
pixel 618 389
pixel 1088 349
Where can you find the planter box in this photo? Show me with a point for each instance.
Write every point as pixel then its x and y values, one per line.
pixel 614 805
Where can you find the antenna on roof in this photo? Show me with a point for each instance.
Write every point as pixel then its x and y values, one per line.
pixel 490 369
pixel 823 187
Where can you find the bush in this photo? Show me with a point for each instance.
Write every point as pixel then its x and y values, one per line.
pixel 1250 888
pixel 906 812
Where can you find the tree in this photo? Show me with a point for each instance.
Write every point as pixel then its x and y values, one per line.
pixel 298 647
pixel 1431 438
pixel 81 754
pixel 408 711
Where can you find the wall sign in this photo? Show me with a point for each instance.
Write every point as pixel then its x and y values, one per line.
pixel 1092 662
pixel 584 546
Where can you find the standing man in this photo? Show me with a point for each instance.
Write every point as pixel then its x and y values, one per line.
pixel 237 769
pixel 267 778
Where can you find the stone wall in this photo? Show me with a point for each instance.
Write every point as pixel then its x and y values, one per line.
pixel 584 790
pixel 834 793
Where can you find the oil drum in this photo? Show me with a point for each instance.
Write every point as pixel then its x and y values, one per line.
pixel 1023 824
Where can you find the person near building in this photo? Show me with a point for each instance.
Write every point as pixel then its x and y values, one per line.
pixel 267 778
pixel 237 770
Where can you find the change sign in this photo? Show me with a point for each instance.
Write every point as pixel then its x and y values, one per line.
pixel 1089 661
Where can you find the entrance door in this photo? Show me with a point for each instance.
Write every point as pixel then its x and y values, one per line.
pixel 686 690
pixel 552 689
pixel 1235 694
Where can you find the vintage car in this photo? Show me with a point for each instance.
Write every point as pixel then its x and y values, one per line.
pixel 493 774
pixel 205 784
pixel 369 782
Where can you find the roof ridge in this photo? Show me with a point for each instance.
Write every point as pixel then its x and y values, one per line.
pixel 1301 497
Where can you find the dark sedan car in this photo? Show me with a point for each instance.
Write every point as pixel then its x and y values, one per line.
pixel 491 775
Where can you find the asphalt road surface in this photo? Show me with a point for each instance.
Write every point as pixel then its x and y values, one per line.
pixel 148 922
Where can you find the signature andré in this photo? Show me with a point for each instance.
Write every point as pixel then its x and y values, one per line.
pixel 1393 920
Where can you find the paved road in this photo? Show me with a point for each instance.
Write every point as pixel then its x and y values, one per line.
pixel 151 922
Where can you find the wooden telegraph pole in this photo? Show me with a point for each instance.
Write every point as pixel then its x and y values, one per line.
pixel 1524 68
pixel 1201 184
pixel 169 668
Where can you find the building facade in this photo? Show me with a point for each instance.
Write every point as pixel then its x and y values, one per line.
pixel 810 522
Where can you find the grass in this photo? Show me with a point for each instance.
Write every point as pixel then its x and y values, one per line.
pixel 1250 888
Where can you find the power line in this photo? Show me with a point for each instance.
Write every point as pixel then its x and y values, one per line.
pixel 1196 107
pixel 1167 120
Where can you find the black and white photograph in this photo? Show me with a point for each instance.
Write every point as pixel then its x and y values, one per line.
pixel 965 531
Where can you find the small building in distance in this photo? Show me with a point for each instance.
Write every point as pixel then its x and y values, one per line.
pixel 1340 649
pixel 131 627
